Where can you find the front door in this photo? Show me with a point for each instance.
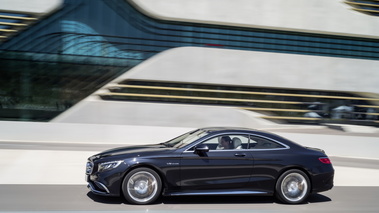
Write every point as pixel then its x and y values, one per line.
pixel 218 169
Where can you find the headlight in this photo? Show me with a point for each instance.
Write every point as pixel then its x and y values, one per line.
pixel 89 167
pixel 109 165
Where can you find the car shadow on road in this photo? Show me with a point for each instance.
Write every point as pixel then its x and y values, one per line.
pixel 318 198
pixel 314 198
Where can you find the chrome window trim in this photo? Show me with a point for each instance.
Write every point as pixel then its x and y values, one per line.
pixel 218 135
pixel 270 139
pixel 239 150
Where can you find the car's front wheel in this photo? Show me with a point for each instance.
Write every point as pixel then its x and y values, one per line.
pixel 142 186
pixel 293 187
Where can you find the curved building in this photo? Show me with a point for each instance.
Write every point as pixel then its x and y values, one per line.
pixel 191 63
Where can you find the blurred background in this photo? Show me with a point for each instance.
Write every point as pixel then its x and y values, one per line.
pixel 169 63
pixel 81 76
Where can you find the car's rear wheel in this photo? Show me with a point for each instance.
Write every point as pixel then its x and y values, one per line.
pixel 142 186
pixel 293 187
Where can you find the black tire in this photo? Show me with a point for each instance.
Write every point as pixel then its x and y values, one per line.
pixel 142 186
pixel 293 187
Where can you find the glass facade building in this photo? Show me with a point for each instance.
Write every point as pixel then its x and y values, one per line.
pixel 67 55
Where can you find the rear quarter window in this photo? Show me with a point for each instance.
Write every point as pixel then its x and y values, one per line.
pixel 263 143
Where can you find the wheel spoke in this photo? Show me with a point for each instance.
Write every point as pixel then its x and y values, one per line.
pixel 142 186
pixel 294 187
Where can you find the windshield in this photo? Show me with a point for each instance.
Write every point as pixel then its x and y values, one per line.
pixel 186 139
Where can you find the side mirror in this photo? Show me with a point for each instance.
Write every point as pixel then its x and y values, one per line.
pixel 201 149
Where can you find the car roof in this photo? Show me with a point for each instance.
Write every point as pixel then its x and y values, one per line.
pixel 218 129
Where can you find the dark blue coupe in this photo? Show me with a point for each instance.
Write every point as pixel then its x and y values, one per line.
pixel 212 161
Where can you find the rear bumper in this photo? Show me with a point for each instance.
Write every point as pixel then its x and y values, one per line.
pixel 323 182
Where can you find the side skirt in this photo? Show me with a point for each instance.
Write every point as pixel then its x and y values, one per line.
pixel 216 192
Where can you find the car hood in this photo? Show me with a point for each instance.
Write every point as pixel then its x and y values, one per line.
pixel 140 150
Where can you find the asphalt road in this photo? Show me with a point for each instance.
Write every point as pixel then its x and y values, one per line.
pixel 76 198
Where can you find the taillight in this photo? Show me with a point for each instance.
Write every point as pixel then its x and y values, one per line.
pixel 325 160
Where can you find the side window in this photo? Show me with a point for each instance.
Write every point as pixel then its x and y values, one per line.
pixel 263 143
pixel 227 142
pixel 212 143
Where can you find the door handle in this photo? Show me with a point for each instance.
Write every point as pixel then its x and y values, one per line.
pixel 240 154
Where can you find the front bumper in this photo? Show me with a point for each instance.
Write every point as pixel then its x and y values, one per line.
pixel 102 186
pixel 106 183
pixel 97 187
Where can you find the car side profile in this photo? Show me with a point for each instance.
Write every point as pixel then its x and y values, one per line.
pixel 212 161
